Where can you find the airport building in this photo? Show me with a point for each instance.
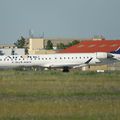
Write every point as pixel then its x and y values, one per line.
pixel 38 45
pixel 7 46
pixel 93 46
pixel 12 51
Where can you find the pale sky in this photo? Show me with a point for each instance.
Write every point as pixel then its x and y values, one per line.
pixel 59 19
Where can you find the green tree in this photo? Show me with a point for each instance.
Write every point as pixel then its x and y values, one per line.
pixel 61 46
pixel 49 45
pixel 74 42
pixel 20 43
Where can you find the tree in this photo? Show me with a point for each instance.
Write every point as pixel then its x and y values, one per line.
pixel 74 42
pixel 20 43
pixel 49 45
pixel 61 46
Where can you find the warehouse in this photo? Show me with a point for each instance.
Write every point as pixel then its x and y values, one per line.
pixel 93 46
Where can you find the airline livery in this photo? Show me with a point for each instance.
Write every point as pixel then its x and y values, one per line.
pixel 64 61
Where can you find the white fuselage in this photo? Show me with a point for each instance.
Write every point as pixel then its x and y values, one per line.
pixel 49 60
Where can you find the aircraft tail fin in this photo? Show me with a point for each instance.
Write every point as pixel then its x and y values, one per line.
pixel 116 51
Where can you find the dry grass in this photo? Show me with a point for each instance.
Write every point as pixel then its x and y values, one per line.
pixel 53 95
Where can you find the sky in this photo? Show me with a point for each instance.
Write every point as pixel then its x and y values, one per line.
pixel 59 19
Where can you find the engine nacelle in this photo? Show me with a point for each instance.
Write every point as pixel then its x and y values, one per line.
pixel 103 55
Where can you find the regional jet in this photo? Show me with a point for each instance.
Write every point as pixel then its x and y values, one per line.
pixel 65 61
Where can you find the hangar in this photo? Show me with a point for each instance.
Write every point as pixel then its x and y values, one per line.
pixel 93 46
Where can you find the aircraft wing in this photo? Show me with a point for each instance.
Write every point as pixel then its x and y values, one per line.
pixel 70 65
pixel 82 65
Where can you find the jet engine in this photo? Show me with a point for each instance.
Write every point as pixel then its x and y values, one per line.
pixel 103 55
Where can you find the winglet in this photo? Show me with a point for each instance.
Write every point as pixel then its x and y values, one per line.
pixel 88 61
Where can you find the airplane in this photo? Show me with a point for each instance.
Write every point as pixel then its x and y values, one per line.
pixel 65 61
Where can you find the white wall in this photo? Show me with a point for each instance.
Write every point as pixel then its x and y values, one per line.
pixel 17 51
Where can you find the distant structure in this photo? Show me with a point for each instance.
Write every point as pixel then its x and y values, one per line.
pixel 11 50
pixel 38 45
pixel 94 45
pixel 4 46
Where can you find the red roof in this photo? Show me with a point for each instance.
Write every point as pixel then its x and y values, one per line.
pixel 93 46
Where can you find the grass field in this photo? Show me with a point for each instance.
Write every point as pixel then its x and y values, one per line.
pixel 54 95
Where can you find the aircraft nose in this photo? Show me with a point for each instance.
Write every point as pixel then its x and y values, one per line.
pixel 109 55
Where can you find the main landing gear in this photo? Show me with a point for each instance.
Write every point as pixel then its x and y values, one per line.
pixel 65 69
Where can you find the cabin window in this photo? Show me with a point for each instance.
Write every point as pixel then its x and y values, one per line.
pixel 64 57
pixel 46 58
pixel 60 58
pixel 76 57
pixel 80 57
pixel 68 58
pixel 0 59
pixel 49 58
pixel 72 57
pixel 84 57
pixel 55 58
